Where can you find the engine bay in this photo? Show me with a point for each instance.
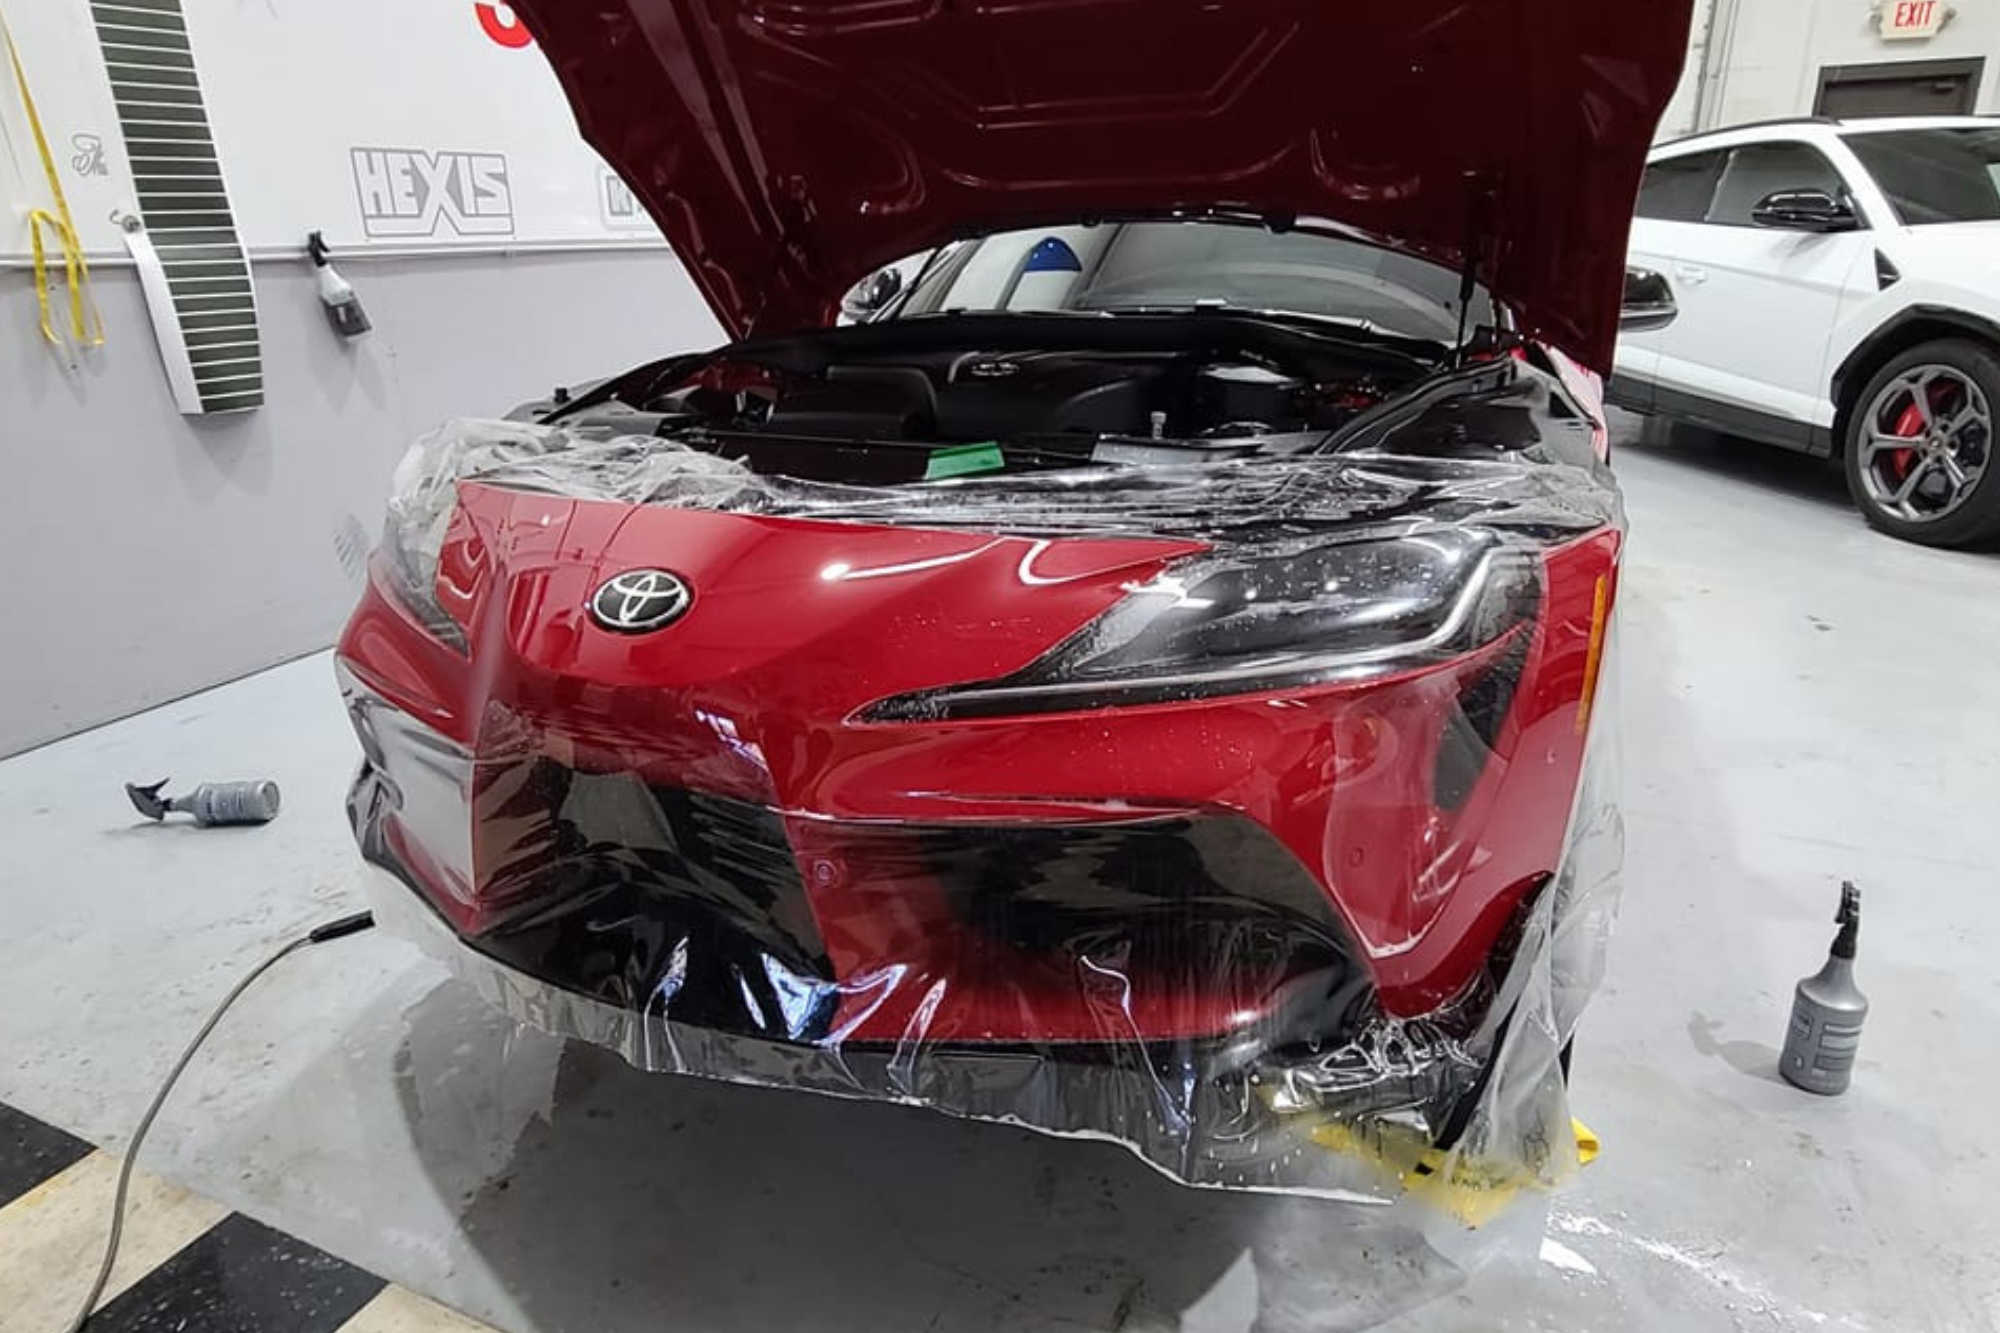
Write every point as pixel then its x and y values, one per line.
pixel 962 395
pixel 966 396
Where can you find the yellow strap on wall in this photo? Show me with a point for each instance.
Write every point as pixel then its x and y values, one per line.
pixel 86 326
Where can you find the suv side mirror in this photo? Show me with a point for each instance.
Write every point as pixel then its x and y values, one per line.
pixel 1805 210
pixel 872 294
pixel 1649 302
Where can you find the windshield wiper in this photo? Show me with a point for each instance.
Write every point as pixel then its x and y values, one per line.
pixel 1203 305
pixel 1340 327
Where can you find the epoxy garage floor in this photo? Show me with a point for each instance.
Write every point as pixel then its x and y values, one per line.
pixel 1804 701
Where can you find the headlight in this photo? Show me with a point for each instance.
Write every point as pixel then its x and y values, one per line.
pixel 423 496
pixel 411 540
pixel 1309 614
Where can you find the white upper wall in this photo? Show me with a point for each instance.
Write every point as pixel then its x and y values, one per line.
pixel 1680 114
pixel 146 554
pixel 390 124
pixel 1772 51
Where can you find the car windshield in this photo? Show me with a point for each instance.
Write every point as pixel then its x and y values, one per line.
pixel 1935 175
pixel 1189 265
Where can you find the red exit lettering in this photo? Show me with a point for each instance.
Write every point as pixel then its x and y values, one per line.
pixel 1914 13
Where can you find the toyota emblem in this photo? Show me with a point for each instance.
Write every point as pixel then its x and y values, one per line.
pixel 641 600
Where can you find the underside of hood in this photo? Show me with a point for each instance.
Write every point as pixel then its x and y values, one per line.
pixel 787 149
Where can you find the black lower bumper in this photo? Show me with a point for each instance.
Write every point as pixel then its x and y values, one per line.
pixel 674 928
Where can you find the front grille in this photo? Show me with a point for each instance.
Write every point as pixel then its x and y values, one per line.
pixel 694 906
pixel 1168 897
pixel 649 897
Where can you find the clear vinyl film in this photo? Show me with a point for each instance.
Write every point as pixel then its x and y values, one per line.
pixel 1257 814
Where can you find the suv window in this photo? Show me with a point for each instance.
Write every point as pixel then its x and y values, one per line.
pixel 1758 169
pixel 1933 176
pixel 1678 189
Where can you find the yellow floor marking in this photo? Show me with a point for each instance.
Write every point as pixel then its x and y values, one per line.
pixel 52 1239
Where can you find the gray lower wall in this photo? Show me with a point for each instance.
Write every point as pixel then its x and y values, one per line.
pixel 145 555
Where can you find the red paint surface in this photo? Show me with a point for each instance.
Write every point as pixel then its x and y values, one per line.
pixel 786 150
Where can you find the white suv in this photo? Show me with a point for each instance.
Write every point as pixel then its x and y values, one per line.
pixel 1836 287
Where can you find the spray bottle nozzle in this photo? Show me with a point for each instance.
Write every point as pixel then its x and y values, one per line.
pixel 1848 918
pixel 316 249
pixel 146 799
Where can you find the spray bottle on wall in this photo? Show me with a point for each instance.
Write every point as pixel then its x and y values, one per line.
pixel 343 307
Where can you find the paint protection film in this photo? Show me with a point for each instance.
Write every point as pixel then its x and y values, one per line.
pixel 1258 815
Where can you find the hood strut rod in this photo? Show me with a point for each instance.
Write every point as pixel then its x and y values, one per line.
pixel 1481 201
pixel 1468 283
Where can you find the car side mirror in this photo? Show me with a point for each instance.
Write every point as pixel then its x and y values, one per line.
pixel 1805 210
pixel 1649 302
pixel 872 295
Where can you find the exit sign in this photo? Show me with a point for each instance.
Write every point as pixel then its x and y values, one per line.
pixel 1903 20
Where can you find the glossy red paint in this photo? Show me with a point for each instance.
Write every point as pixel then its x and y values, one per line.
pixel 797 625
pixel 787 149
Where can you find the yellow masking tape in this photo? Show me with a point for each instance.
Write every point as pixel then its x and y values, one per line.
pixel 1588 1145
pixel 1472 1189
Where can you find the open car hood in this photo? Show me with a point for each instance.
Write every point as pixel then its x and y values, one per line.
pixel 789 147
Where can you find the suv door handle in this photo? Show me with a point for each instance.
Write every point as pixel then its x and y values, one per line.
pixel 1693 273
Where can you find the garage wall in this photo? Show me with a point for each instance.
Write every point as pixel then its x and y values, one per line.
pixel 1682 112
pixel 1774 50
pixel 145 555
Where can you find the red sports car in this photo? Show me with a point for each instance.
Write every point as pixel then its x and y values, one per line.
pixel 1135 676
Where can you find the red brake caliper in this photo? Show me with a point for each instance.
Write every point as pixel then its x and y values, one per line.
pixel 1908 427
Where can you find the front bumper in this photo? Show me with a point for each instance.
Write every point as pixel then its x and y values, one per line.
pixel 1211 1031
pixel 1208 1113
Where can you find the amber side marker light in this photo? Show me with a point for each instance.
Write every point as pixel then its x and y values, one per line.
pixel 1596 659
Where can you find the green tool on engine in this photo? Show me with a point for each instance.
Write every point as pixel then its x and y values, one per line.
pixel 964 460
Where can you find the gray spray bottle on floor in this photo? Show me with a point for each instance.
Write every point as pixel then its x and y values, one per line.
pixel 1827 1012
pixel 211 803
